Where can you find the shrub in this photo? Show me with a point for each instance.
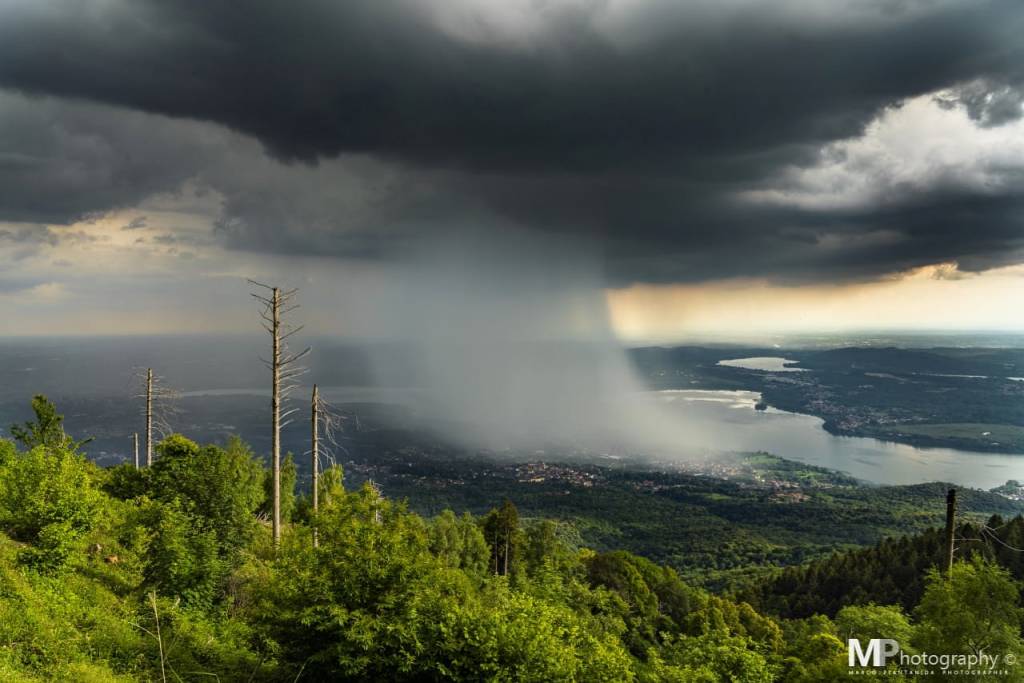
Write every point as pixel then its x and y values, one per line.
pixel 49 499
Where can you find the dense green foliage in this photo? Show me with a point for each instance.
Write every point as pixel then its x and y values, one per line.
pixel 893 572
pixel 47 496
pixel 718 533
pixel 169 574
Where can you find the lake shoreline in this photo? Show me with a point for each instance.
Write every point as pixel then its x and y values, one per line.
pixel 735 425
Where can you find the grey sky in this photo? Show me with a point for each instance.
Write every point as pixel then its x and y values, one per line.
pixel 797 143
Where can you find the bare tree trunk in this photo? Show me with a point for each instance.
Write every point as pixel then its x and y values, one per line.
pixel 950 523
pixel 505 570
pixel 136 450
pixel 284 371
pixel 275 407
pixel 149 417
pixel 315 455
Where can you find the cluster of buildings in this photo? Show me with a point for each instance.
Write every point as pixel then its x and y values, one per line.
pixel 541 472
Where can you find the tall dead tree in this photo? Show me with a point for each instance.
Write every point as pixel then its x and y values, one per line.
pixel 315 457
pixel 325 424
pixel 284 371
pixel 950 523
pixel 149 416
pixel 159 408
pixel 136 450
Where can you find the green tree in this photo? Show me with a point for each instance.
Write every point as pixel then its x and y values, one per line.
pixel 49 498
pixel 507 635
pixel 544 547
pixel 125 482
pixel 182 558
pixel 8 451
pixel 815 652
pixel 714 657
pixel 356 606
pixel 220 487
pixel 501 530
pixel 459 543
pixel 47 430
pixel 874 621
pixel 618 572
pixel 976 609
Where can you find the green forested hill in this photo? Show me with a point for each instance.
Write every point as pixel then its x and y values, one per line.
pixel 169 574
pixel 714 531
pixel 891 572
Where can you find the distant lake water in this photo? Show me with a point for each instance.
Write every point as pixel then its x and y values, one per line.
pixel 728 422
pixel 767 363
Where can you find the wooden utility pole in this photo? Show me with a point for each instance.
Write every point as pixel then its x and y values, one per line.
pixel 283 372
pixel 136 450
pixel 315 456
pixel 149 417
pixel 950 523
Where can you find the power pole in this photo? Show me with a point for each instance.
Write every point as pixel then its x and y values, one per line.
pixel 149 417
pixel 283 372
pixel 315 455
pixel 136 450
pixel 950 522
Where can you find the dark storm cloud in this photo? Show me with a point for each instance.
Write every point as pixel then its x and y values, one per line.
pixel 66 161
pixel 677 230
pixel 381 76
pixel 634 126
pixel 990 103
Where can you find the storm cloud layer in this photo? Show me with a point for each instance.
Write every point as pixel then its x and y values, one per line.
pixel 482 181
pixel 676 137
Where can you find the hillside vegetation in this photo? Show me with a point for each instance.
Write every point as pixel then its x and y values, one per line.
pixel 169 574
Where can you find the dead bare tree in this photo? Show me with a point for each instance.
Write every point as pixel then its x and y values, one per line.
pixel 136 450
pixel 322 415
pixel 160 406
pixel 284 370
pixel 314 452
pixel 149 416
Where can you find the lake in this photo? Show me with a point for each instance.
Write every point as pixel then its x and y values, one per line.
pixel 766 363
pixel 731 423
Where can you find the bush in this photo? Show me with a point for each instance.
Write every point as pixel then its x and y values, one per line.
pixel 182 559
pixel 220 488
pixel 48 498
pixel 124 482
